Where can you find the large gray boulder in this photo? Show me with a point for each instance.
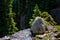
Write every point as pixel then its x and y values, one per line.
pixel 22 35
pixel 38 25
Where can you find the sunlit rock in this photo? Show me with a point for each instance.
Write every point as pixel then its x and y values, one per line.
pixel 22 35
pixel 38 25
pixel 50 28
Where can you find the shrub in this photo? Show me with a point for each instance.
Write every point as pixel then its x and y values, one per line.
pixel 47 17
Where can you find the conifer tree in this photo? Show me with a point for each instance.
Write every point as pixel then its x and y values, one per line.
pixel 12 24
pixel 7 25
pixel 47 17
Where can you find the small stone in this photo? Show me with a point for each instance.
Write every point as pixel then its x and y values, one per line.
pixel 55 30
pixel 2 39
pixel 57 35
pixel 6 38
pixel 42 36
pixel 58 38
pixel 50 28
pixel 53 38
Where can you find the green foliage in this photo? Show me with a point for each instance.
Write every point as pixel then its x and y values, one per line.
pixel 46 17
pixel 7 26
pixel 57 27
pixel 12 24
pixel 9 18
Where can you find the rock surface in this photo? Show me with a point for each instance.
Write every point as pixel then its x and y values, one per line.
pixel 38 25
pixel 26 35
pixel 50 28
pixel 21 35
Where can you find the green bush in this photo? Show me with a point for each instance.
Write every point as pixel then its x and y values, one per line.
pixel 46 17
pixel 7 22
pixel 57 27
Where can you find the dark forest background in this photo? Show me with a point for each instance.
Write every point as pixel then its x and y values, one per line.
pixel 16 14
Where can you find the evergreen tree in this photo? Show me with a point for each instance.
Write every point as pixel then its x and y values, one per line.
pixel 47 17
pixel 17 9
pixel 7 25
pixel 12 24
